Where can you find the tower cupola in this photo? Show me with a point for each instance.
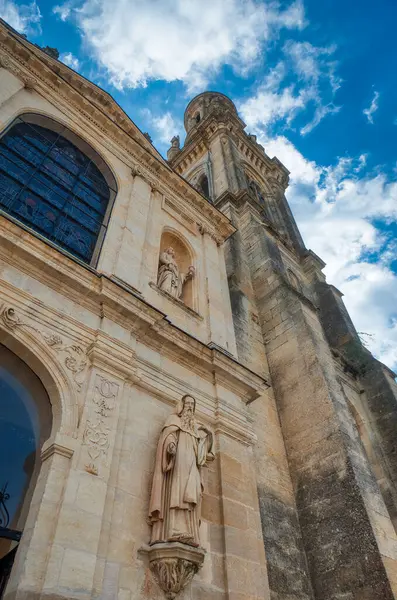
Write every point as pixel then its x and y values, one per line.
pixel 204 105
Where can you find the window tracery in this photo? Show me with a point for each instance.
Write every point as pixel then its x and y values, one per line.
pixel 53 186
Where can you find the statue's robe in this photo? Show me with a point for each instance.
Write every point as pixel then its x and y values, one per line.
pixel 177 488
pixel 169 279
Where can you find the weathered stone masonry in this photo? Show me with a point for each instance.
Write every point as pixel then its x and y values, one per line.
pixel 300 501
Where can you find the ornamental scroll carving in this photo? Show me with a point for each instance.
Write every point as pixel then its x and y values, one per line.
pixel 74 357
pixel 97 430
pixel 7 63
pixel 184 448
pixel 204 230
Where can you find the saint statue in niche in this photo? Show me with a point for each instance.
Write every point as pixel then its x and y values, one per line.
pixel 184 448
pixel 169 278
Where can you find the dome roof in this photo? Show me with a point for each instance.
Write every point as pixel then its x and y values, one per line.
pixel 203 104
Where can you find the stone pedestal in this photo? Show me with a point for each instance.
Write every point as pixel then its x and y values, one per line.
pixel 174 565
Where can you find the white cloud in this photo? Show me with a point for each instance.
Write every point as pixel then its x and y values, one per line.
pixel 164 126
pixel 69 59
pixel 319 114
pixel 270 106
pixel 373 107
pixel 63 11
pixel 335 208
pixel 188 40
pixel 23 17
pixel 311 73
pixel 312 63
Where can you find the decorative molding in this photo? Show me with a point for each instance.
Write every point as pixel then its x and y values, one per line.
pixel 179 303
pixel 205 231
pixel 75 359
pixel 55 448
pixel 232 126
pixel 6 63
pixel 100 295
pixel 136 171
pixel 96 433
pixel 173 565
pixel 99 108
pixel 115 358
pixel 177 212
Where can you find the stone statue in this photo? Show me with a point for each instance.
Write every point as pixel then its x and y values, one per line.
pixel 169 278
pixel 176 142
pixel 184 447
pixel 175 147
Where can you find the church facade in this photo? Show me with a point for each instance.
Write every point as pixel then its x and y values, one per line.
pixel 186 408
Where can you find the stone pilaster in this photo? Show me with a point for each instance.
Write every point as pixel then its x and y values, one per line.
pixel 286 561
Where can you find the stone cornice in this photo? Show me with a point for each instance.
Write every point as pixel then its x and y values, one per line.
pixel 104 297
pixel 60 84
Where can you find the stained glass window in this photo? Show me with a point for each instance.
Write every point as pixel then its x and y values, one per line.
pixel 53 185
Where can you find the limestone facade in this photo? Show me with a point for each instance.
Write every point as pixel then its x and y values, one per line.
pixel 300 501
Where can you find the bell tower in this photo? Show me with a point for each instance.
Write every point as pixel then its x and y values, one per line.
pixel 290 322
pixel 219 155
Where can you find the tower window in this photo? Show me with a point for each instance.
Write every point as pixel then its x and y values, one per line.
pixel 50 181
pixel 256 191
pixel 197 118
pixel 203 186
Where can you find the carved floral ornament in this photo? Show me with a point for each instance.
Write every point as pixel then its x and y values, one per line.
pixel 96 433
pixel 183 449
pixel 74 357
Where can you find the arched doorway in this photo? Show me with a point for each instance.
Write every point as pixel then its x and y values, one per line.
pixel 25 424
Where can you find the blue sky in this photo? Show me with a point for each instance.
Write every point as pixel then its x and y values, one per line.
pixel 316 81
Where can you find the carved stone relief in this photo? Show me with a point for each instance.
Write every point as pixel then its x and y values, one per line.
pixel 96 433
pixel 204 230
pixel 169 277
pixel 6 62
pixel 174 567
pixel 75 359
pixel 184 447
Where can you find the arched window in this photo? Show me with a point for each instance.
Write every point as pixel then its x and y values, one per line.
pixel 256 192
pixel 25 424
pixel 55 183
pixel 203 186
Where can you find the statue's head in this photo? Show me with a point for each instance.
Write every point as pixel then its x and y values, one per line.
pixel 170 251
pixel 186 406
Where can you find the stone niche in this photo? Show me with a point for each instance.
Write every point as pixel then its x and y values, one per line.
pixel 184 259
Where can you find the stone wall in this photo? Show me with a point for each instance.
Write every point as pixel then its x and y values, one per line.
pixel 326 460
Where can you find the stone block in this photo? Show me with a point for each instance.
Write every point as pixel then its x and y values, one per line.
pixel 77 572
pixel 211 509
pixel 235 514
